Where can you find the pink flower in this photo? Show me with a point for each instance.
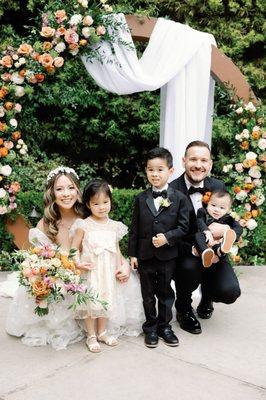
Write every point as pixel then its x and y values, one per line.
pixel 100 30
pixel 71 36
pixel 239 167
pixel 58 62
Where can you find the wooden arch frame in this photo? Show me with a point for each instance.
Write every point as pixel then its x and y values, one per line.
pixel 222 69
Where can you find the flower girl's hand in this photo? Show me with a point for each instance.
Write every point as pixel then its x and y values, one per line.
pixel 85 266
pixel 134 263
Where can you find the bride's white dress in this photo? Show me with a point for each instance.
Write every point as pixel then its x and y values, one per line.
pixel 59 328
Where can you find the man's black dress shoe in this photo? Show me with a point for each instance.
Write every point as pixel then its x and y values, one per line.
pixel 205 309
pixel 168 337
pixel 151 339
pixel 188 322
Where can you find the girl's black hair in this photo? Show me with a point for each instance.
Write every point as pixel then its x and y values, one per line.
pixel 93 188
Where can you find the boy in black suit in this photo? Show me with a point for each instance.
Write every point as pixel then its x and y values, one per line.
pixel 160 219
pixel 217 210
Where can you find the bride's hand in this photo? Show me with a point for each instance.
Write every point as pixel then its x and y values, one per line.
pixel 85 266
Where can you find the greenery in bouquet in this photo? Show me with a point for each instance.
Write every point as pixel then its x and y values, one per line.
pixel 49 275
pixel 244 174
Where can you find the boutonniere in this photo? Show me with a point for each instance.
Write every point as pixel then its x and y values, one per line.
pixel 206 197
pixel 165 203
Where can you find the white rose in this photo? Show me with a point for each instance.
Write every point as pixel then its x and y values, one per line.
pixel 86 32
pixel 13 122
pixel 241 195
pixel 254 172
pixel 247 206
pixel 248 179
pixel 3 210
pixel 251 224
pixel 251 156
pixel 60 47
pixel 250 107
pixel 257 182
pixel 262 144
pixel 245 134
pixel 23 151
pixel 16 78
pixel 20 141
pixel 2 111
pixel 234 250
pixel 227 167
pixel 74 52
pixel 238 137
pixel 18 107
pixel 2 193
pixel 87 20
pixel 239 110
pixel 15 57
pixel 75 19
pixel 17 64
pixel 5 170
pixel 256 129
pixel 108 8
pixel 260 200
pixel 84 3
pixel 20 91
pixel 22 60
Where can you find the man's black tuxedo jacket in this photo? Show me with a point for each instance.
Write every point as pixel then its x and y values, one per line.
pixel 172 221
pixel 204 220
pixel 210 184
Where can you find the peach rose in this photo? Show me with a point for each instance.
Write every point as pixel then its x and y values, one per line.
pixel 71 37
pixel 83 42
pixel 87 20
pixel 32 79
pixel 40 77
pixel 58 62
pixel 253 198
pixel 3 151
pixel 40 289
pixel 16 135
pixel 47 46
pixel 254 213
pixel 9 144
pixel 60 16
pixel 50 69
pixel 8 105
pixel 3 92
pixel 100 30
pixel 61 31
pixel 3 126
pixel 47 32
pixel 248 186
pixel 7 61
pixel 244 145
pixel 15 186
pixel 25 49
pixel 247 215
pixel 46 60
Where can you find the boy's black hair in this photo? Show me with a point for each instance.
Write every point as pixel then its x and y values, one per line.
pixel 160 152
pixel 93 188
pixel 222 193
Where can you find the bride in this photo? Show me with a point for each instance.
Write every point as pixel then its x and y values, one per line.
pixel 62 200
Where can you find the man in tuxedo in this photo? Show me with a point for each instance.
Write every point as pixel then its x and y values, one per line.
pixel 159 220
pixel 219 282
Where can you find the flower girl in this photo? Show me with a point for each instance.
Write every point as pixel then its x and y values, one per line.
pixel 97 238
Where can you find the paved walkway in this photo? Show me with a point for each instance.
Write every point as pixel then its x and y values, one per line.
pixel 226 362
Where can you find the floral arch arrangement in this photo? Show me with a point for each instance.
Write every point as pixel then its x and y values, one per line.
pixel 75 30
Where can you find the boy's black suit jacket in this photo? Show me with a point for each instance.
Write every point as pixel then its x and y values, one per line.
pixel 172 221
pixel 210 184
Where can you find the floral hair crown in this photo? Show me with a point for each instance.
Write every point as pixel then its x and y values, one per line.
pixel 62 170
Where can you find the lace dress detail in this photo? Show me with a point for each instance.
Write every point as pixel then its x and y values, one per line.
pixel 58 328
pixel 99 246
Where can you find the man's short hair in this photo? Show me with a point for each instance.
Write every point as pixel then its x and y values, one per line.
pixel 160 152
pixel 197 143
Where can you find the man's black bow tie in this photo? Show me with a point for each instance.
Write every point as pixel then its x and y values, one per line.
pixel 194 189
pixel 163 194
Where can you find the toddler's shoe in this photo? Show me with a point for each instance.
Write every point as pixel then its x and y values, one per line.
pixel 168 337
pixel 229 239
pixel 109 340
pixel 206 257
pixel 151 339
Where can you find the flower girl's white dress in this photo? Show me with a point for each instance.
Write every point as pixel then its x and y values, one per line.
pixel 58 328
pixel 124 311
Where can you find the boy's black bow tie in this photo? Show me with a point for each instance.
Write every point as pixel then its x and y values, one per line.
pixel 194 189
pixel 163 194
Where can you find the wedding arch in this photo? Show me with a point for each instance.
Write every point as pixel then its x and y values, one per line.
pixel 222 70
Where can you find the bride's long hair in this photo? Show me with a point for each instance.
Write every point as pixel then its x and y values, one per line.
pixel 51 215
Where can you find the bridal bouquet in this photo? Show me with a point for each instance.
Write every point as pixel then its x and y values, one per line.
pixel 49 275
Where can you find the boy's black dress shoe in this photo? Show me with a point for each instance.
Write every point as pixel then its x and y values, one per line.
pixel 168 337
pixel 188 322
pixel 151 339
pixel 205 309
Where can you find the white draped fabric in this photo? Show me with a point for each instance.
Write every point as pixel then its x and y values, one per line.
pixel 177 59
